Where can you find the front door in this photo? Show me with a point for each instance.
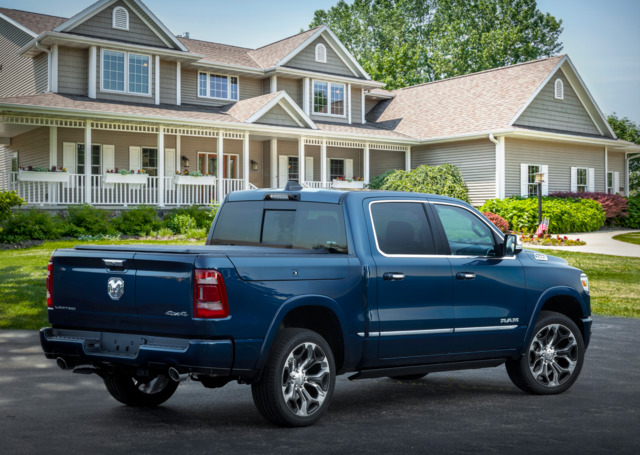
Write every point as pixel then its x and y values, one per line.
pixel 287 169
pixel 414 285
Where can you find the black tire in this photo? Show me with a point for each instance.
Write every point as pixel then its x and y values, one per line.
pixel 286 395
pixel 137 391
pixel 553 359
pixel 408 377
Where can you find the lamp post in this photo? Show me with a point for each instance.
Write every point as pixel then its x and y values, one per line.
pixel 539 181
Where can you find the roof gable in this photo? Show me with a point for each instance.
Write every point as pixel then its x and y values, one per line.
pixel 144 27
pixel 274 108
pixel 334 64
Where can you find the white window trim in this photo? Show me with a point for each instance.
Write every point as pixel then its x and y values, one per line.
pixel 321 53
pixel 328 114
pixel 524 178
pixel 114 23
pixel 126 73
pixel 207 96
pixel 558 89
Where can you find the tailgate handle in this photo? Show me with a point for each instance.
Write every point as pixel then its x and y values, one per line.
pixel 114 263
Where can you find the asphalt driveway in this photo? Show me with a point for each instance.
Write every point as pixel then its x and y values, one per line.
pixel 46 410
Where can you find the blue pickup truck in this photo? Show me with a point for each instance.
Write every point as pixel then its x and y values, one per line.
pixel 296 286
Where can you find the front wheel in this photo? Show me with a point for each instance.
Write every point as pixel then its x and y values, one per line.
pixel 139 391
pixel 554 357
pixel 298 381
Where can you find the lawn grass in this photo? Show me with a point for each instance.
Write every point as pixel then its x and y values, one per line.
pixel 632 237
pixel 614 281
pixel 22 281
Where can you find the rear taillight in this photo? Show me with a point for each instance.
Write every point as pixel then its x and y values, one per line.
pixel 210 296
pixel 49 283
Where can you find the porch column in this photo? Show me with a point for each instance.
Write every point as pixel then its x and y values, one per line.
pixel 87 162
pixel 323 163
pixel 161 166
pixel 245 161
pixel 178 153
pixel 93 68
pixel 301 161
pixel 220 170
pixel 305 95
pixel 273 151
pixel 53 146
pixel 407 159
pixel 366 164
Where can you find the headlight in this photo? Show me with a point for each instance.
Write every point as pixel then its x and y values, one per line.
pixel 584 279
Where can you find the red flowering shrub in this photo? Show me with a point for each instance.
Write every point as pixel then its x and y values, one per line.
pixel 498 221
pixel 614 205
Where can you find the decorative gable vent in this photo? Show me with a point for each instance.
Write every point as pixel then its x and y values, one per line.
pixel 321 53
pixel 559 89
pixel 120 18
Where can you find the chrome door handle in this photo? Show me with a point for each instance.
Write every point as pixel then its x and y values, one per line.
pixel 393 276
pixel 465 276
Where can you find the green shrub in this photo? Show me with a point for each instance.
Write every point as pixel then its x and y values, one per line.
pixel 35 225
pixel 195 233
pixel 202 215
pixel 180 224
pixel 378 181
pixel 8 200
pixel 137 221
pixel 565 215
pixel 90 220
pixel 445 180
pixel 632 220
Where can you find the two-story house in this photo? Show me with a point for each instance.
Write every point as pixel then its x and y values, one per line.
pixel 112 88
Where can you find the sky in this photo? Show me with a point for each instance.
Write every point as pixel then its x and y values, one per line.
pixel 600 36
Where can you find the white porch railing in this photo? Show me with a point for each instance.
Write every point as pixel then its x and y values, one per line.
pixel 121 194
pixel 316 184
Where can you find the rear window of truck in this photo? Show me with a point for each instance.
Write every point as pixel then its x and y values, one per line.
pixel 300 225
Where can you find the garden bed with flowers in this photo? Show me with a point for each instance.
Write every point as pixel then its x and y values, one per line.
pixel 550 240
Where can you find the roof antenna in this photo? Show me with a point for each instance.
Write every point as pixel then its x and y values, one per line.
pixel 293 185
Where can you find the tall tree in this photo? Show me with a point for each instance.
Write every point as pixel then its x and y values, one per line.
pixel 628 130
pixel 405 42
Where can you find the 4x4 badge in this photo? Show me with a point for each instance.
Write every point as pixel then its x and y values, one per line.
pixel 115 288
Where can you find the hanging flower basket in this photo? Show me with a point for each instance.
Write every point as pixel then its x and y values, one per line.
pixel 193 180
pixel 35 176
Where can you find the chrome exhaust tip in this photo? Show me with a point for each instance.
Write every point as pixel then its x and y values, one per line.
pixel 62 363
pixel 176 376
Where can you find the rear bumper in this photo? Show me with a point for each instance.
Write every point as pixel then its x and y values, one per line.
pixel 79 347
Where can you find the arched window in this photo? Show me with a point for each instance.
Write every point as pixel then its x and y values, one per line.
pixel 559 89
pixel 321 53
pixel 120 18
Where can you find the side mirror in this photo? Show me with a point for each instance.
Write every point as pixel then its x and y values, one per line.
pixel 510 245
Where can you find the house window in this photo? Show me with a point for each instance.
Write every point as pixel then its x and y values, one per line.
pixel 218 86
pixel 532 186
pixel 336 169
pixel 321 53
pixel 610 188
pixel 96 159
pixel 559 89
pixel 150 161
pixel 294 170
pixel 120 18
pixel 126 72
pixel 14 162
pixel 582 179
pixel 328 98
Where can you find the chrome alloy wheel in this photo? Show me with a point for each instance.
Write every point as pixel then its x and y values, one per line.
pixel 553 355
pixel 306 379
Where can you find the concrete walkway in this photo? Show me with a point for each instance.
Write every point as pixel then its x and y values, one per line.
pixel 598 242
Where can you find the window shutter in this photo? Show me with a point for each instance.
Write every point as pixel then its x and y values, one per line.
pixel 545 186
pixel 524 180
pixel 308 169
pixel 135 159
pixel 69 157
pixel 616 182
pixel 348 169
pixel 169 162
pixel 591 179
pixel 574 179
pixel 108 158
pixel 120 18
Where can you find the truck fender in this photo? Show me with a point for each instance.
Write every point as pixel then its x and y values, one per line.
pixel 285 308
pixel 544 297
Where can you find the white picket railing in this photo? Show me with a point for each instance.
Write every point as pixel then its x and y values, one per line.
pixel 316 184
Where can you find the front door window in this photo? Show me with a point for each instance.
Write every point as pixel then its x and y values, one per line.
pixel 96 159
pixel 208 165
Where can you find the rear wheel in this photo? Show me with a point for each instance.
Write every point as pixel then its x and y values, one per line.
pixel 139 391
pixel 298 381
pixel 554 357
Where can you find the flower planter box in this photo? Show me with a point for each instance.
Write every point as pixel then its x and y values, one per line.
pixel 51 177
pixel 345 184
pixel 192 180
pixel 114 177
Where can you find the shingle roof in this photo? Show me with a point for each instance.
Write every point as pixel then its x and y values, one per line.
pixel 244 109
pixel 37 23
pixel 221 53
pixel 267 56
pixel 473 103
pixel 360 129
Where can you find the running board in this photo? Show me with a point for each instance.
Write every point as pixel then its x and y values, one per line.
pixel 424 369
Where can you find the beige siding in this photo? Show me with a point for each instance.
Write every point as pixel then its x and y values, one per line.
pixel 293 87
pixel 369 104
pixel 266 165
pixel 41 71
pixel 306 60
pixel 5 161
pixel 124 97
pixel 380 161
pixel 616 164
pixel 475 159
pixel 248 88
pixel 167 82
pixel 266 86
pixel 72 71
pixel 19 75
pixel 356 105
pixel 101 26
pixel 255 154
pixel 32 148
pixel 567 114
pixel 277 116
pixel 559 157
